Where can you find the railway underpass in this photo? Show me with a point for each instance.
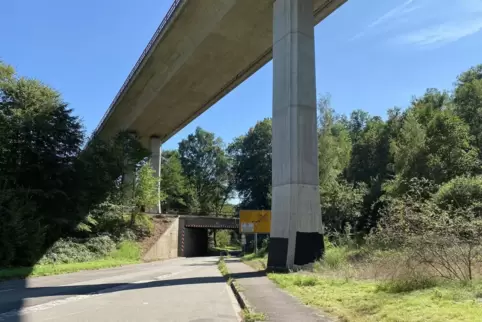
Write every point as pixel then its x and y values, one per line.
pixel 194 233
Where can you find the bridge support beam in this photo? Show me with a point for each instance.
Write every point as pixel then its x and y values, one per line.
pixel 296 228
pixel 155 161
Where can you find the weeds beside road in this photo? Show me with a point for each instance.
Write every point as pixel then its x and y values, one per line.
pixel 354 285
pixel 127 253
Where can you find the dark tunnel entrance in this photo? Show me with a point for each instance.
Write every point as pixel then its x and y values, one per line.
pixel 196 242
pixel 194 233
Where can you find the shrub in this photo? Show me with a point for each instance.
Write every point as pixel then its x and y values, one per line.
pixel 75 251
pixel 142 225
pixel 111 218
pixel 460 192
pixel 67 251
pixel 100 246
pixel 223 238
pixel 127 235
pixel 335 257
pixel 446 242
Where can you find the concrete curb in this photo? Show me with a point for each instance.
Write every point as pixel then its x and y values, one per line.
pixel 240 298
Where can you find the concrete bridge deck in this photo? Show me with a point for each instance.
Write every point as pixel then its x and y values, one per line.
pixel 201 51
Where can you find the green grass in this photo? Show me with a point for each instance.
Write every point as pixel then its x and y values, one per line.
pixel 355 300
pixel 351 299
pixel 222 267
pixel 249 316
pixel 257 261
pixel 128 252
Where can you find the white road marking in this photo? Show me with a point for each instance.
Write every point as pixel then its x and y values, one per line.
pixel 7 290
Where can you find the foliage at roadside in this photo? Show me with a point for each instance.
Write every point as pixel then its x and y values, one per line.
pixel 126 252
pixel 361 300
pixel 62 197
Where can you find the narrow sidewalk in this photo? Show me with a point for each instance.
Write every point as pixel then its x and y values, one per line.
pixel 265 297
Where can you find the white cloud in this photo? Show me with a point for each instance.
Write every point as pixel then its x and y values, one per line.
pixel 394 13
pixel 439 22
pixel 441 34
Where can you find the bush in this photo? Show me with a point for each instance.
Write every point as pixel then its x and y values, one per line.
pixel 127 235
pixel 76 251
pixel 335 257
pixel 223 238
pixel 67 251
pixel 461 192
pixel 101 246
pixel 142 225
pixel 111 218
pixel 447 243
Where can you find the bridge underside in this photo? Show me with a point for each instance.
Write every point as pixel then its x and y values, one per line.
pixel 206 49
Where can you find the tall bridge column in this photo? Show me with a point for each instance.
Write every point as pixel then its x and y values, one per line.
pixel 296 228
pixel 128 181
pixel 155 161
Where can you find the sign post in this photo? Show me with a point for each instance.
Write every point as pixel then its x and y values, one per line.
pixel 243 242
pixel 255 243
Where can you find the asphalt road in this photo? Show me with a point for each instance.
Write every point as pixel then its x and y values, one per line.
pixel 181 289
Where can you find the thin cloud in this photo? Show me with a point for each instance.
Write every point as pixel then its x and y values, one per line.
pixel 441 22
pixel 397 12
pixel 441 34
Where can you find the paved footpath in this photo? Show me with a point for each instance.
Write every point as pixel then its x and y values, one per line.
pixel 174 290
pixel 265 297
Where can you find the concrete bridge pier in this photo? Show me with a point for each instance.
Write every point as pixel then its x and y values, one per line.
pixel 296 228
pixel 155 162
pixel 128 181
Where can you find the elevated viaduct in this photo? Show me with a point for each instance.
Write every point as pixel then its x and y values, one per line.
pixel 199 53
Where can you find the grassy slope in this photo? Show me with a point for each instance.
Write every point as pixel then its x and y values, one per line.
pixel 127 253
pixel 362 300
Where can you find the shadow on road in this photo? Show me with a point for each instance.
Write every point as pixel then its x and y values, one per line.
pixel 14 301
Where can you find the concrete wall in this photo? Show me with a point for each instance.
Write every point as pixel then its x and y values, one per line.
pixel 167 245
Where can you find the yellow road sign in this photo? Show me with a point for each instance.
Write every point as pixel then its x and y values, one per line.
pixel 255 221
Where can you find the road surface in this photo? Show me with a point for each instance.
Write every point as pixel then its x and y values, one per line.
pixel 181 289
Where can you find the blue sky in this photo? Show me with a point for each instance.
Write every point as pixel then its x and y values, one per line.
pixel 370 56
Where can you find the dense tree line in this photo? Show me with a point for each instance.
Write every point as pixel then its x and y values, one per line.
pixel 51 185
pixel 364 161
pixel 57 183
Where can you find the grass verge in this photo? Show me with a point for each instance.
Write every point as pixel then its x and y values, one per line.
pixel 127 253
pixel 353 300
pixel 344 291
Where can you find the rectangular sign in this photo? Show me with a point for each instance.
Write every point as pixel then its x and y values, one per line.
pixel 255 221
